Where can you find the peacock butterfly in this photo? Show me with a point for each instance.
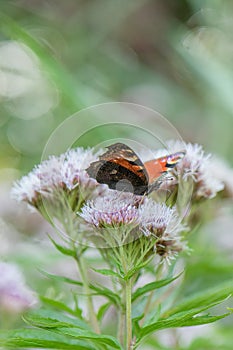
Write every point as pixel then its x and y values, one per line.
pixel 121 169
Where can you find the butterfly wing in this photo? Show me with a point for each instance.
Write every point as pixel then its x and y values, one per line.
pixel 157 167
pixel 121 169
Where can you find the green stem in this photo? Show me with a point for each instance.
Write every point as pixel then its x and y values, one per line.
pixel 128 295
pixel 121 326
pixel 92 315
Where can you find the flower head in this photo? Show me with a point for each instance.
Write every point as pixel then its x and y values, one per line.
pixel 162 222
pixel 136 219
pixel 168 248
pixel 115 208
pixel 15 296
pixel 159 220
pixel 196 165
pixel 221 171
pixel 65 172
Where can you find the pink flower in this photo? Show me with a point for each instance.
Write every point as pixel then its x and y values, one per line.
pixel 66 173
pixel 140 218
pixel 159 220
pixel 115 208
pixel 15 295
pixel 196 165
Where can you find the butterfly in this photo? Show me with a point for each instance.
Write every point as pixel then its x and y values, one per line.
pixel 121 169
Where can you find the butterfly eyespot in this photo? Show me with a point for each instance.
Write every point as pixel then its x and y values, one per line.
pixel 170 164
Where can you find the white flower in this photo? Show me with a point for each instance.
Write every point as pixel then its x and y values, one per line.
pixel 115 208
pixel 221 171
pixel 64 172
pixel 159 220
pixel 15 296
pixel 73 168
pixel 194 161
pixel 196 165
pixel 27 188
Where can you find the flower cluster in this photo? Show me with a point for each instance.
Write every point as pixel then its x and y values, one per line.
pixel 114 208
pixel 165 224
pixel 66 173
pixel 196 165
pixel 151 219
pixel 15 296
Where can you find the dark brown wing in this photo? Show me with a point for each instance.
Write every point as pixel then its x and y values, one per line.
pixel 121 169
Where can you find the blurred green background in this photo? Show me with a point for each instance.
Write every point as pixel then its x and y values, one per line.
pixel 58 57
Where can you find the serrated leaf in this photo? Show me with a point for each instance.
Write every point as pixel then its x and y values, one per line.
pixel 200 320
pixel 107 272
pixel 38 338
pixel 179 321
pixel 97 338
pixel 182 319
pixel 207 297
pixel 52 319
pixel 152 286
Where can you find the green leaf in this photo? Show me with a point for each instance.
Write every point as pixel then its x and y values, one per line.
pixel 52 319
pixel 183 319
pixel 107 272
pixel 152 286
pixel 97 338
pixel 106 292
pixel 200 320
pixel 135 322
pixel 102 310
pixel 100 290
pixel 78 310
pixel 61 278
pixel 208 297
pixel 38 338
pixel 58 305
pixel 138 267
pixel 62 249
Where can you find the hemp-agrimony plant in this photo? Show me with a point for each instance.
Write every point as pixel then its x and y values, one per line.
pixel 139 238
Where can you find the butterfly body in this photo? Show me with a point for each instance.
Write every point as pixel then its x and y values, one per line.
pixel 121 169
